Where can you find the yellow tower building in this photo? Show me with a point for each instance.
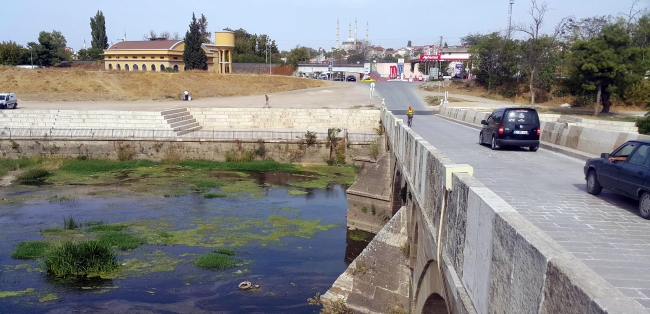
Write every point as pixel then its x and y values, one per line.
pixel 161 54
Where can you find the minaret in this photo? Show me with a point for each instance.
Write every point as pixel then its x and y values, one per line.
pixel 355 32
pixel 337 33
pixel 350 31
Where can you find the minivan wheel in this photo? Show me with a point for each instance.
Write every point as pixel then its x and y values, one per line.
pixel 644 205
pixel 480 138
pixel 593 187
pixel 534 148
pixel 494 145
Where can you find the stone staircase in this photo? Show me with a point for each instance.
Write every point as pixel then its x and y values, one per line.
pixel 181 121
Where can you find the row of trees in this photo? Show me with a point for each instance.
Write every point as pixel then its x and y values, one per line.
pixel 253 48
pixel 596 59
pixel 51 47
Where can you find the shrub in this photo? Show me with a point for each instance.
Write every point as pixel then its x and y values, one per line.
pixel 240 156
pixel 215 261
pixel 373 150
pixel 80 259
pixel 373 209
pixel 31 249
pixel 261 148
pixel 364 209
pixel 125 153
pixel 310 138
pixel 69 223
pixel 644 125
pixel 583 100
pixel 33 176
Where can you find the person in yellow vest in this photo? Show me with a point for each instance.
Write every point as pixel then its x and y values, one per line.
pixel 409 115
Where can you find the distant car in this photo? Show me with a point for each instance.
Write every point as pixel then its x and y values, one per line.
pixel 8 101
pixel 511 127
pixel 351 78
pixel 625 171
pixel 338 79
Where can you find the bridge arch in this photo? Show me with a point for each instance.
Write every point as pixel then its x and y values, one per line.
pixel 429 291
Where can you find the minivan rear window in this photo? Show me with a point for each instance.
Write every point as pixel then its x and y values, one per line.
pixel 521 116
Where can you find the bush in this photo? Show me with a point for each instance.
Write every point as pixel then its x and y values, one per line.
pixel 583 100
pixel 80 259
pixel 69 223
pixel 644 125
pixel 373 150
pixel 33 176
pixel 214 195
pixel 32 249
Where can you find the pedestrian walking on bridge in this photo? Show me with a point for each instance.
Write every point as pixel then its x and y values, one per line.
pixel 409 116
pixel 267 102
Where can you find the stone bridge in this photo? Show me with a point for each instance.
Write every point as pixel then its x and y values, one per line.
pixel 454 246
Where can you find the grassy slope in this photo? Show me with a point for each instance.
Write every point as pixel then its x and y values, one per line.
pixel 83 85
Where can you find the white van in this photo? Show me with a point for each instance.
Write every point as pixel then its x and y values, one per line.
pixel 8 101
pixel 324 76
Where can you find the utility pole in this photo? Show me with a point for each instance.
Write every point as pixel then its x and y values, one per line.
pixel 270 52
pixel 439 65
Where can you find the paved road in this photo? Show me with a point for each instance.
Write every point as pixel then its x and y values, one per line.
pixel 605 231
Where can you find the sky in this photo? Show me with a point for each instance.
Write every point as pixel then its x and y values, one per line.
pixel 292 22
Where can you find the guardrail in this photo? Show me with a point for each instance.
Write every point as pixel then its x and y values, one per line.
pixel 166 135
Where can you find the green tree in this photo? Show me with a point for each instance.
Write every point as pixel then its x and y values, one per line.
pixel 605 64
pixel 50 49
pixel 495 60
pixel 298 54
pixel 538 50
pixel 98 31
pixel 252 48
pixel 203 25
pixel 193 54
pixel 12 53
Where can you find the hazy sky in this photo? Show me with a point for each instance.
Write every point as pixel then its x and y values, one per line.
pixel 290 22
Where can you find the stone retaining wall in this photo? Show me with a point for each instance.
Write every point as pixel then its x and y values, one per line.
pixel 281 118
pixel 290 152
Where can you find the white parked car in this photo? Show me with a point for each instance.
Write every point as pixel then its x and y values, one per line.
pixel 8 101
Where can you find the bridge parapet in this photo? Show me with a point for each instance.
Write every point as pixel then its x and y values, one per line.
pixel 473 249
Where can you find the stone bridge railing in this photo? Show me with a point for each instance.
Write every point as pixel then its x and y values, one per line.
pixel 470 247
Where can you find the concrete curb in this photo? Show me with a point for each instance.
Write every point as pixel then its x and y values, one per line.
pixel 552 147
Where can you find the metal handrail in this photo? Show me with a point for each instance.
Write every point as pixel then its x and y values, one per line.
pixel 166 135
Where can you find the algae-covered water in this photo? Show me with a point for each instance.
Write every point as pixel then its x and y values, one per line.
pixel 289 240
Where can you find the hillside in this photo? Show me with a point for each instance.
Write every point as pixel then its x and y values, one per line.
pixel 84 85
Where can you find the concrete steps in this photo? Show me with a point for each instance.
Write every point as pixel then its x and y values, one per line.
pixel 181 121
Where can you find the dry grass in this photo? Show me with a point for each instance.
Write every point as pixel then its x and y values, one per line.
pixel 83 85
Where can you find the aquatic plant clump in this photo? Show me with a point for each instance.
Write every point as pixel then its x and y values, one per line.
pixel 31 249
pixel 101 227
pixel 215 261
pixel 80 259
pixel 123 241
pixel 214 195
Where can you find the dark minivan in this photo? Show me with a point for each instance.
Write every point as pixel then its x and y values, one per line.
pixel 511 127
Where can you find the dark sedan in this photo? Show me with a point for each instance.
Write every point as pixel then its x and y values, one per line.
pixel 351 78
pixel 625 171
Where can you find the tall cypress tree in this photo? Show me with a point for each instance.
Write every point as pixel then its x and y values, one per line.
pixel 98 31
pixel 193 55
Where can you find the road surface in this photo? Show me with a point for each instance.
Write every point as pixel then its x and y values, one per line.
pixel 547 188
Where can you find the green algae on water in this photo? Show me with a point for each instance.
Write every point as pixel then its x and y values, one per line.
pixel 48 297
pixel 297 192
pixel 4 294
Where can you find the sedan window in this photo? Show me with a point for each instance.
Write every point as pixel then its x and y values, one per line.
pixel 640 155
pixel 625 150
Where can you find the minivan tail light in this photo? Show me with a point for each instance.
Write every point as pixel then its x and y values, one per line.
pixel 501 130
pixel 539 132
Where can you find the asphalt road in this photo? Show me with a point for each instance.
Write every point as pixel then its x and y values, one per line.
pixel 547 188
